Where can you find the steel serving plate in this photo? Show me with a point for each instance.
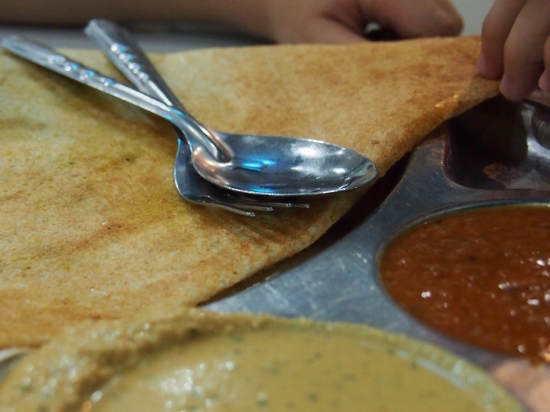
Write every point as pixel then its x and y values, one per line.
pixel 487 156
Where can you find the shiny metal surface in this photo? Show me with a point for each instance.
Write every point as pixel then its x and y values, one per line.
pixel 336 279
pixel 126 54
pixel 541 126
pixel 266 165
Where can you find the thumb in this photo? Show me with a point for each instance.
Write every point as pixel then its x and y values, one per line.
pixel 331 31
pixel 421 18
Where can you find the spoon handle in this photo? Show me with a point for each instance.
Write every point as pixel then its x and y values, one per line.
pixel 126 54
pixel 57 62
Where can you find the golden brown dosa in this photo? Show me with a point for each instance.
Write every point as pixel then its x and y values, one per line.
pixel 91 225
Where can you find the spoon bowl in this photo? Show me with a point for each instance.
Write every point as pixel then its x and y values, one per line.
pixel 267 165
pixel 123 50
pixel 262 165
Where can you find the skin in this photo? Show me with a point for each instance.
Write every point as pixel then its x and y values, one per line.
pixel 516 46
pixel 288 21
pixel 515 35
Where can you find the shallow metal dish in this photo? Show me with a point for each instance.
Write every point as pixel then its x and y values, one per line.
pixel 487 156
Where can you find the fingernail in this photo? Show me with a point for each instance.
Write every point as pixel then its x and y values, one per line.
pixel 483 65
pixel 487 68
pixel 511 91
pixel 544 81
pixel 505 88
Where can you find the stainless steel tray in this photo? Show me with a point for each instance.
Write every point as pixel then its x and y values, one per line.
pixel 487 156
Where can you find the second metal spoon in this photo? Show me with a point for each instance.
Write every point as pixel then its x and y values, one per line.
pixel 267 165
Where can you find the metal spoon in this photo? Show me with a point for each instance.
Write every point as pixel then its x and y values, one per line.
pixel 268 165
pixel 127 55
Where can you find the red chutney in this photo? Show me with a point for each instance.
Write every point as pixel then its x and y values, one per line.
pixel 480 276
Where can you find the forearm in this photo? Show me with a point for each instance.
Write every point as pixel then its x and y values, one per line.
pixel 246 15
pixel 286 21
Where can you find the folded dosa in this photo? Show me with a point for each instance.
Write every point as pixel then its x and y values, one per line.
pixel 91 225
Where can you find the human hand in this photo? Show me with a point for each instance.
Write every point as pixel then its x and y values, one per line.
pixel 344 21
pixel 516 46
pixel 282 21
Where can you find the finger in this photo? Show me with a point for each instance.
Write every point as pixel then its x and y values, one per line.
pixel 448 8
pixel 330 31
pixel 544 81
pixel 421 18
pixel 524 50
pixel 316 21
pixel 496 28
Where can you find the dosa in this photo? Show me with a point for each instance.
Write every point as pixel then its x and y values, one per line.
pixel 91 226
